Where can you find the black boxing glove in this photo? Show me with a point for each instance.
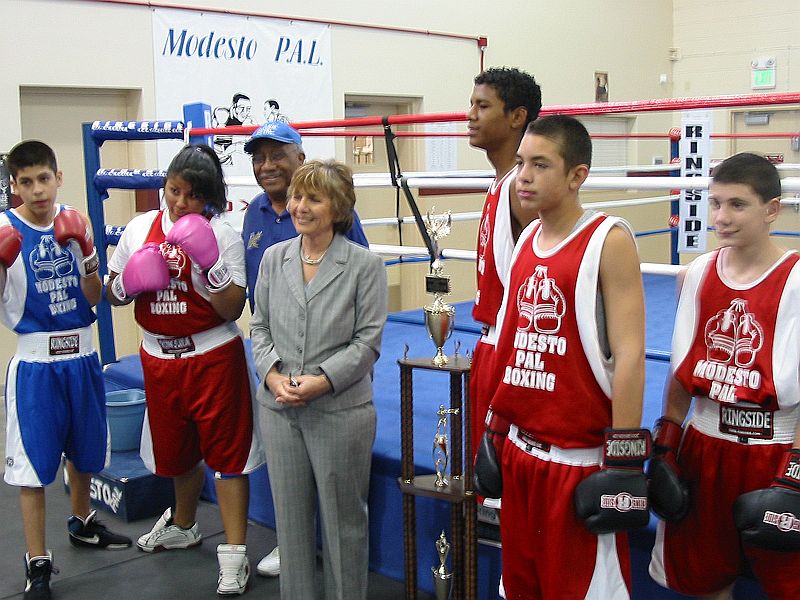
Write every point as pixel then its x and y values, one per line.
pixel 667 493
pixel 615 497
pixel 487 475
pixel 769 518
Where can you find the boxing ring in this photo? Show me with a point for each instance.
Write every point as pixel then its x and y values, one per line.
pixel 405 330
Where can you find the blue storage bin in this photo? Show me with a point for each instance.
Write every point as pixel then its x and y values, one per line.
pixel 125 414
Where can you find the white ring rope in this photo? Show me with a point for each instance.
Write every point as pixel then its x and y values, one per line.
pixel 420 252
pixel 474 216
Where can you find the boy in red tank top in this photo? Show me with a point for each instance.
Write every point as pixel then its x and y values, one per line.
pixel 565 419
pixel 727 482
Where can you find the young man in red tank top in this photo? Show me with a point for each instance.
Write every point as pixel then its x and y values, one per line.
pixel 502 103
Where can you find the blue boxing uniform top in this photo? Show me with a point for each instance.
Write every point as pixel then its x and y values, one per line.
pixel 43 286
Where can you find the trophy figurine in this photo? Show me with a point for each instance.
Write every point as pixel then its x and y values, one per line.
pixel 442 578
pixel 441 455
pixel 439 316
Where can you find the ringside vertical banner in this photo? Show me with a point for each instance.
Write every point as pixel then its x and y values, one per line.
pixel 249 70
pixel 695 154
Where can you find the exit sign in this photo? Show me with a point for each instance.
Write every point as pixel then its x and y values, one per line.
pixel 762 74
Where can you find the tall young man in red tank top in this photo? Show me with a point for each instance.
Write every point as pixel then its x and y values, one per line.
pixel 502 103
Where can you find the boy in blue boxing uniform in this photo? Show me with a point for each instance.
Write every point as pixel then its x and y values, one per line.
pixel 55 400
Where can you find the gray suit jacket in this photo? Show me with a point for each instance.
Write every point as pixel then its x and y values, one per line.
pixel 333 326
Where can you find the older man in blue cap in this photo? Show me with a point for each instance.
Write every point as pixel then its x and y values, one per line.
pixel 277 151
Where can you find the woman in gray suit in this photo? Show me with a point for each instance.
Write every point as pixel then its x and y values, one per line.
pixel 316 333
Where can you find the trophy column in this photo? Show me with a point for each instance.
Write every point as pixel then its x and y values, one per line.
pixel 457 491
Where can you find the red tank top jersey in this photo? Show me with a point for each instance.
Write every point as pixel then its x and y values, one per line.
pixel 178 310
pixel 556 385
pixel 737 334
pixel 495 245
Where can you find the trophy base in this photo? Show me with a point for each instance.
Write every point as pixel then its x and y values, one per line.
pixel 442 584
pixel 440 359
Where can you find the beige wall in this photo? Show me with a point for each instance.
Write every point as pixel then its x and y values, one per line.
pixel 58 44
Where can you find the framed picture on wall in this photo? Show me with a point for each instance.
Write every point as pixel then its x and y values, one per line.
pixel 600 86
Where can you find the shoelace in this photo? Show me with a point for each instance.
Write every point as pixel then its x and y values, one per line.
pixel 42 581
pixel 229 574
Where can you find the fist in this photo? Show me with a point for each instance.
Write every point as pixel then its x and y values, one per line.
pixel 195 235
pixel 487 475
pixel 769 518
pixel 667 492
pixel 10 245
pixel 615 498
pixel 145 271
pixel 71 229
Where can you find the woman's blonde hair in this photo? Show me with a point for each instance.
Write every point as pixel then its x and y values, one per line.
pixel 332 179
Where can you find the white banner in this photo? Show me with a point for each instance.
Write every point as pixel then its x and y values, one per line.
pixel 249 70
pixel 695 155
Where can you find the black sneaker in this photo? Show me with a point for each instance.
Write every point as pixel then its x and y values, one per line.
pixel 37 577
pixel 91 533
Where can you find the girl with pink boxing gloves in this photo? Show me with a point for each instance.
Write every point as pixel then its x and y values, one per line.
pixel 184 269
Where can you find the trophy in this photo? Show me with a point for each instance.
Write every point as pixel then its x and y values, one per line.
pixel 439 316
pixel 441 455
pixel 442 578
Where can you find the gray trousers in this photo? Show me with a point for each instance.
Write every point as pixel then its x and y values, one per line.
pixel 321 459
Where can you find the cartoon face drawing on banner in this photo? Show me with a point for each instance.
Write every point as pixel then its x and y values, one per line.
pixel 483 241
pixel 48 259
pixel 733 334
pixel 541 303
pixel 176 259
pixel 272 111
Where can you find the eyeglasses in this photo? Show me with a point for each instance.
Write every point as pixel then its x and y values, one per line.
pixel 275 157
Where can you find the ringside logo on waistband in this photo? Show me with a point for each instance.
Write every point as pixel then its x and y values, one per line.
pixel 531 442
pixel 746 422
pixel 177 345
pixel 65 344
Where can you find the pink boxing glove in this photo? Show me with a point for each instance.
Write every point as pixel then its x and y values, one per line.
pixel 145 271
pixel 72 230
pixel 195 235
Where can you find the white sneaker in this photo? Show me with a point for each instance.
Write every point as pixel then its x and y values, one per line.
pixel 234 569
pixel 165 535
pixel 270 565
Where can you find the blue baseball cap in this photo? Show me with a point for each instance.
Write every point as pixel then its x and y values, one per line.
pixel 273 130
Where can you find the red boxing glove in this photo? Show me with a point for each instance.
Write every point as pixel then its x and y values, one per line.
pixel 72 230
pixel 10 245
pixel 195 235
